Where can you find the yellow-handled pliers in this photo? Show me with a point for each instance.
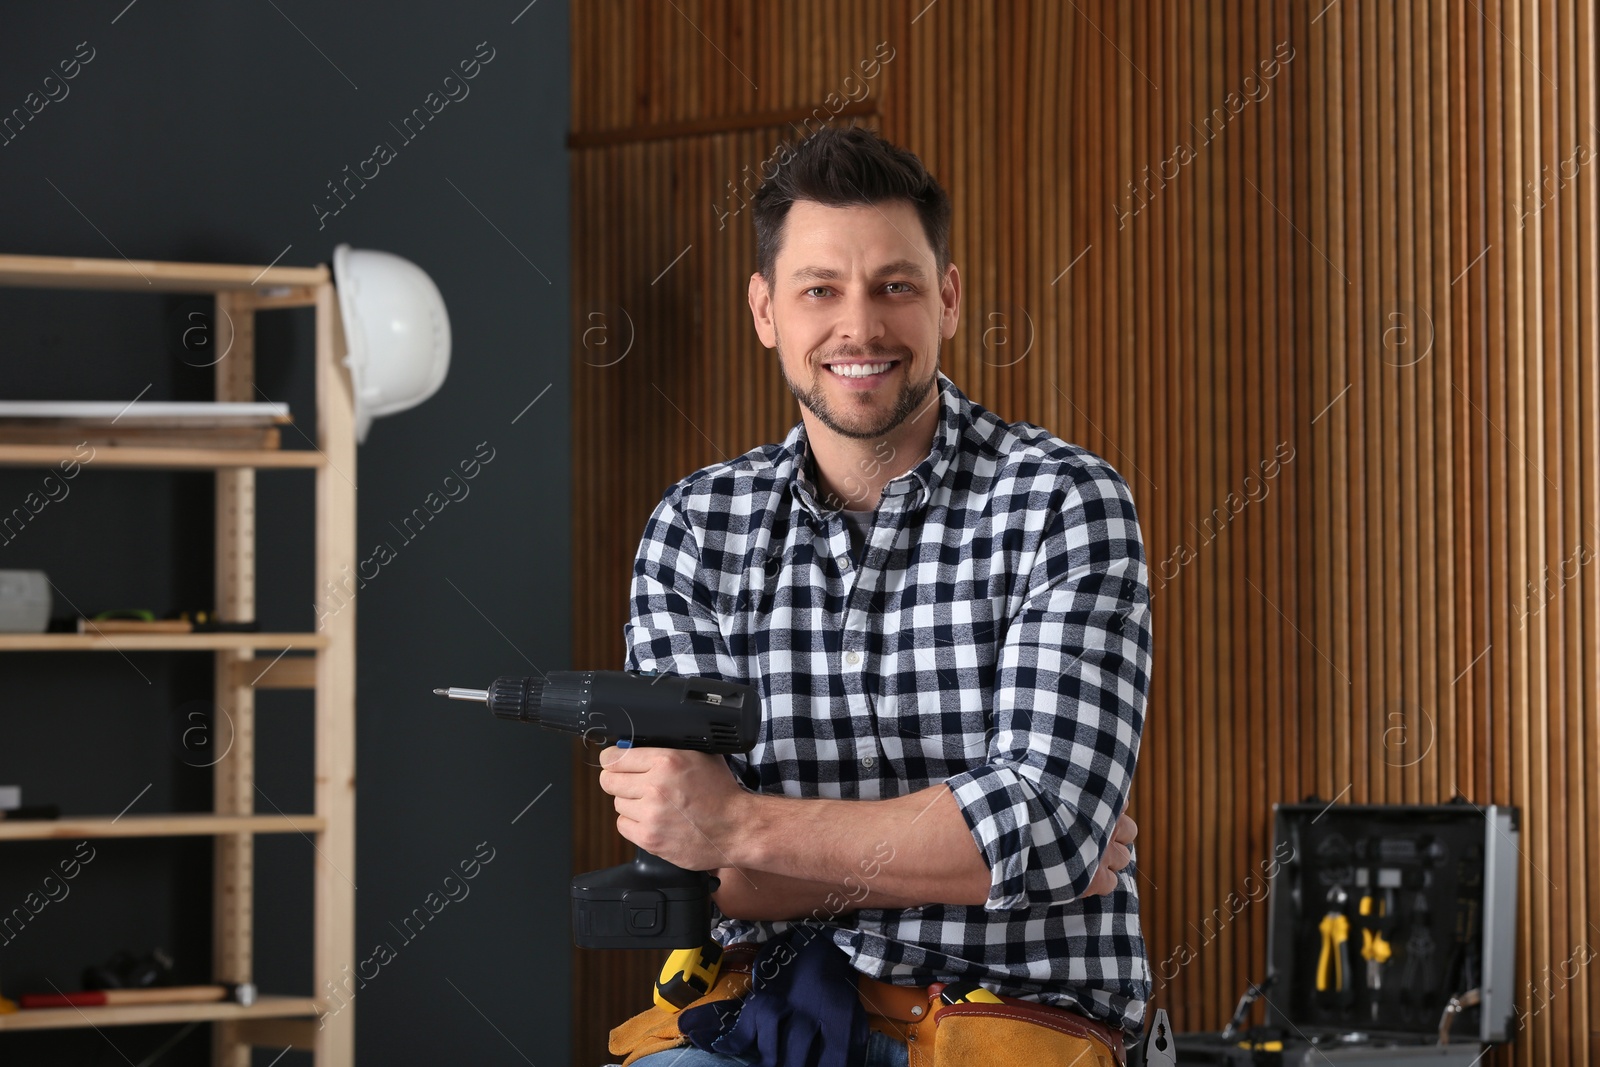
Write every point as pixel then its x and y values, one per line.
pixel 1335 929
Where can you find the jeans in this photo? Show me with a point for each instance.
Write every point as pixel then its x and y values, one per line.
pixel 882 1051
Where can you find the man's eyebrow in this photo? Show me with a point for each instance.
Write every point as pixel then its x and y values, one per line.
pixel 907 267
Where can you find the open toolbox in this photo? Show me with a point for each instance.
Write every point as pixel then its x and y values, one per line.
pixel 1391 939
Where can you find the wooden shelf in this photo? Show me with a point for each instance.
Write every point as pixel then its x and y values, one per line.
pixel 197 824
pixel 243 662
pixel 121 642
pixel 142 1014
pixel 142 275
pixel 156 458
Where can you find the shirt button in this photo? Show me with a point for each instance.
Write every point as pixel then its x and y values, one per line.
pixel 869 762
pixel 852 658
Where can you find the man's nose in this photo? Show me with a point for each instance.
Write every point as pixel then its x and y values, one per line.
pixel 861 321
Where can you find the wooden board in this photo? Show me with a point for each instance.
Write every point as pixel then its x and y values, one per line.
pixel 101 437
pixel 201 642
pixel 146 1014
pixel 142 275
pixel 180 825
pixel 71 459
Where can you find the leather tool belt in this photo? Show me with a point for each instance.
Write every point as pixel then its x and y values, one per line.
pixel 952 1035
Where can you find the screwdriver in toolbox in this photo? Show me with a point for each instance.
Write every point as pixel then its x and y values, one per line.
pixel 1376 951
pixel 1375 948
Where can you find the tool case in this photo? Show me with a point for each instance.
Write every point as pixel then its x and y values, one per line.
pixel 1389 926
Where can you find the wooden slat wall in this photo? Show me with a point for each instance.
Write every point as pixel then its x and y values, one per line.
pixel 1337 276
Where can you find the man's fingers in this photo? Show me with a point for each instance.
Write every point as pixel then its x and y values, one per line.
pixel 633 759
pixel 1125 830
pixel 621 785
pixel 1105 878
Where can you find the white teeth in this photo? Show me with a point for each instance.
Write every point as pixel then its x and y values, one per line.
pixel 859 370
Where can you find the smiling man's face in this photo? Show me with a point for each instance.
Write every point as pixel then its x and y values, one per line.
pixel 857 311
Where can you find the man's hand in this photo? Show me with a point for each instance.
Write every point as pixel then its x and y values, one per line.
pixel 678 805
pixel 1117 856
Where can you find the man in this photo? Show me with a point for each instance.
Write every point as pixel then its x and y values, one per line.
pixel 947 618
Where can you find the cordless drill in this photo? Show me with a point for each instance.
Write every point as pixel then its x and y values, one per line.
pixel 648 903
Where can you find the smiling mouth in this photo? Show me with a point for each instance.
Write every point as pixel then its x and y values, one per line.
pixel 860 370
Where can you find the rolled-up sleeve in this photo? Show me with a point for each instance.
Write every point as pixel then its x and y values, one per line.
pixel 1069 703
pixel 673 627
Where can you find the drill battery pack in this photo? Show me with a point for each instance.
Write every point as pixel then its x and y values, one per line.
pixel 648 903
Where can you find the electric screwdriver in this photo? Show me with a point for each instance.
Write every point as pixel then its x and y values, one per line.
pixel 648 903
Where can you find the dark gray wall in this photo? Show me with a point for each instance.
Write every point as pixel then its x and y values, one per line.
pixel 209 132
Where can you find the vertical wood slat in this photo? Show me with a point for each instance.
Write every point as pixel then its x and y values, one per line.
pixel 1354 633
pixel 233 775
pixel 333 870
pixel 1585 387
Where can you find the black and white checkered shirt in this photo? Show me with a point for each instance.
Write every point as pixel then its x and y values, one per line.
pixel 995 637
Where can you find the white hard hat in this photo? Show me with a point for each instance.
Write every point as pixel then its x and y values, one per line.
pixel 396 331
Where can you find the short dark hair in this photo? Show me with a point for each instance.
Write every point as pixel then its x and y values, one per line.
pixel 841 167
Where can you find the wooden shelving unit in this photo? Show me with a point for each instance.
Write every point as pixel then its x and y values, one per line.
pixel 323 661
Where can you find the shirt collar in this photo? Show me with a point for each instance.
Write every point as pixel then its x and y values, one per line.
pixel 917 483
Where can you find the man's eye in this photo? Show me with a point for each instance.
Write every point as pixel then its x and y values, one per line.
pixel 895 287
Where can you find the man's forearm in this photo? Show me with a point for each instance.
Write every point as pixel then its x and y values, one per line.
pixel 766 895
pixel 906 852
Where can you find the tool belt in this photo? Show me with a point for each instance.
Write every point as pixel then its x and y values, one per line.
pixel 1013 1033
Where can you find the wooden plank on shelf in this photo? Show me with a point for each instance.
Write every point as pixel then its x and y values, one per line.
pixel 169 414
pixel 290 672
pixel 155 457
pixel 183 824
pixel 145 1014
pixel 195 425
pixel 66 434
pixel 135 626
pixel 143 275
pixel 202 642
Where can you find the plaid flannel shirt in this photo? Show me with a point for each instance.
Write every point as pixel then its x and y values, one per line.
pixel 996 637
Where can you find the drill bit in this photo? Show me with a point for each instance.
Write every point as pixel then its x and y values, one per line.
pixel 480 695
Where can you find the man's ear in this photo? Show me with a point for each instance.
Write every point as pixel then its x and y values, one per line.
pixel 950 298
pixel 760 297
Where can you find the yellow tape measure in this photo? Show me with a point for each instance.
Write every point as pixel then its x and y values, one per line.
pixel 688 975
